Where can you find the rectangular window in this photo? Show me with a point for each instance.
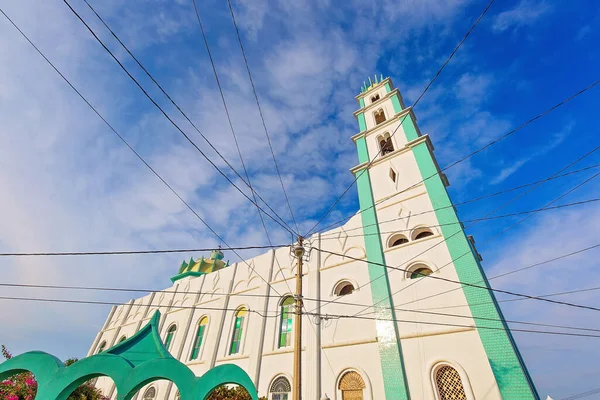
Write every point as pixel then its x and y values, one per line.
pixel 237 336
pixel 198 342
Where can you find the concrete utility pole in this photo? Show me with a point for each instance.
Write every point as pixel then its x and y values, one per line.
pixel 299 254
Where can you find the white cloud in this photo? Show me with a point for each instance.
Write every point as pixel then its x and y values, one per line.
pixel 526 12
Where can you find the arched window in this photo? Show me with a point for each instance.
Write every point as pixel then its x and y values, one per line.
pixel 280 389
pixel 375 98
pixel 101 347
pixel 422 233
pixel 285 324
pixel 170 336
pixel 149 394
pixel 236 339
pixel 352 386
pixel 199 336
pixel 385 144
pixel 448 384
pixel 397 240
pixel 379 116
pixel 123 338
pixel 344 288
pixel 420 272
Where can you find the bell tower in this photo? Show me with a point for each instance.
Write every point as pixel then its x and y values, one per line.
pixel 409 222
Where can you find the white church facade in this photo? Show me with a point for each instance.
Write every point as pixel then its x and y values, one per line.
pixel 398 344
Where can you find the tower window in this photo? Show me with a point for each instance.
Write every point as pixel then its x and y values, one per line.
pixel 375 98
pixel 379 116
pixel 397 240
pixel 420 272
pixel 123 338
pixel 344 288
pixel 423 234
pixel 448 384
pixel 236 339
pixel 385 144
pixel 393 175
pixel 285 324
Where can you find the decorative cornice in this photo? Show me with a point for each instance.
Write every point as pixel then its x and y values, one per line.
pixel 421 139
pixel 365 133
pixel 378 102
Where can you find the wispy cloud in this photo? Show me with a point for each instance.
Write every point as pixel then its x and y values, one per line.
pixel 525 13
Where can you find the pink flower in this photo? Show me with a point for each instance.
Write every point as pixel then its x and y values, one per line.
pixel 12 397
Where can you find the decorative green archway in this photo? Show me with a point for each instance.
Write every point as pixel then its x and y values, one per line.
pixel 131 364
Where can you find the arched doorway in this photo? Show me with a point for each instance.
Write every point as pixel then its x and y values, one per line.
pixel 352 386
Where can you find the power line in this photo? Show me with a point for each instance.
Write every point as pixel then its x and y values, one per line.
pixel 512 272
pixel 518 299
pixel 337 316
pixel 414 104
pixel 261 113
pixel 465 283
pixel 179 108
pixel 169 118
pixel 128 145
pixel 577 203
pixel 277 314
pixel 129 252
pixel 486 196
pixel 462 230
pixel 109 303
pixel 516 223
pixel 582 395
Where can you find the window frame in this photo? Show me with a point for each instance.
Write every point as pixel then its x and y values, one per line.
pixel 197 348
pixel 242 327
pixel 289 313
pixel 101 347
pixel 171 332
pixel 147 390
pixel 276 380
pixel 434 366
pixel 377 112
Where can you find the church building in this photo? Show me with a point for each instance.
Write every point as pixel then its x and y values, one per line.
pixel 370 332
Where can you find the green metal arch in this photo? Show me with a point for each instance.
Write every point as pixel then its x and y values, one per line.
pixel 132 364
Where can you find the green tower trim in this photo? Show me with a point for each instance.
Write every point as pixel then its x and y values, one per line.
pixel 512 377
pixel 131 364
pixel 390 349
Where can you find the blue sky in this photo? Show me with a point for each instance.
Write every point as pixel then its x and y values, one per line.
pixel 69 184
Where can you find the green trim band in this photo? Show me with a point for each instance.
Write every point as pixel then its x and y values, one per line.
pixel 512 377
pixel 186 274
pixel 362 123
pixel 390 349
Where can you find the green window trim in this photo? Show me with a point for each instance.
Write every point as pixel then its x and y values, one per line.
pixel 238 328
pixel 170 335
pixel 285 323
pixel 199 338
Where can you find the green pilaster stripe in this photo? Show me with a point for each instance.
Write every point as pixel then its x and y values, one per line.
pixel 410 131
pixel 396 103
pixel 390 350
pixel 363 152
pixel 509 370
pixel 361 102
pixel 388 88
pixel 362 124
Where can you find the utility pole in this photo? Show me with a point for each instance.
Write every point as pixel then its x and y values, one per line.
pixel 299 254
